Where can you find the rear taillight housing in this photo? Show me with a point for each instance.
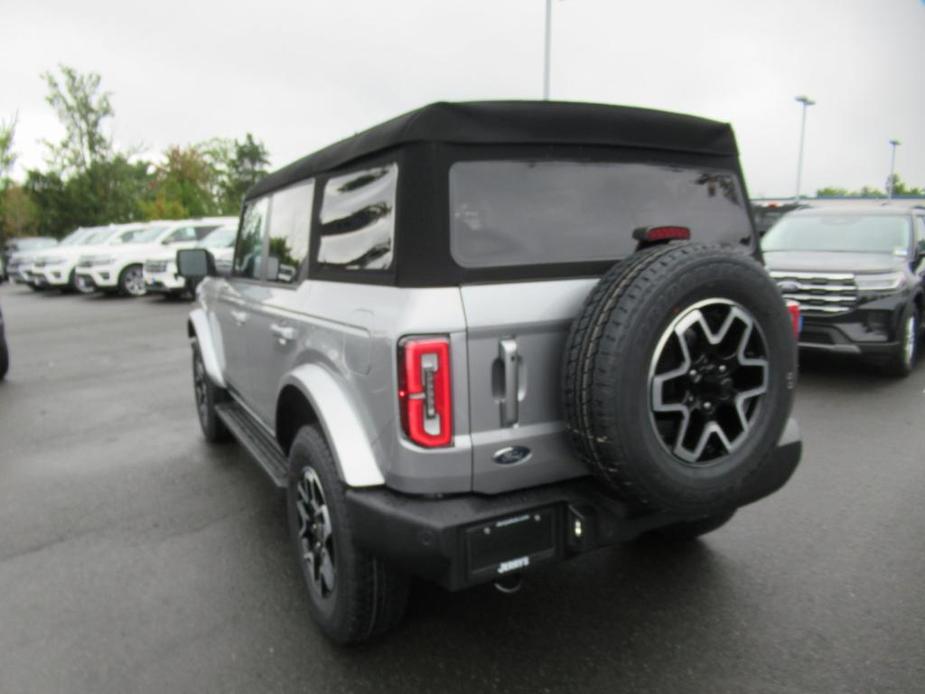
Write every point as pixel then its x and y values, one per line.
pixel 424 390
pixel 662 233
pixel 796 318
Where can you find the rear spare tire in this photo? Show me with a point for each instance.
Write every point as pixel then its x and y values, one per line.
pixel 679 375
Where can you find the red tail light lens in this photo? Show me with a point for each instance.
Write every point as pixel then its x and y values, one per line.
pixel 665 233
pixel 796 318
pixel 424 392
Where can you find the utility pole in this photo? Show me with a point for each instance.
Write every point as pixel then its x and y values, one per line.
pixel 547 50
pixel 807 102
pixel 891 181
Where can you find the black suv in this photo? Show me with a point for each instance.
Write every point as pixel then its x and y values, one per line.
pixel 858 276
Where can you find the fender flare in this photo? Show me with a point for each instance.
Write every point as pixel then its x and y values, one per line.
pixel 353 454
pixel 199 328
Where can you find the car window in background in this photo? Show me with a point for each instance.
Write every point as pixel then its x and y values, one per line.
pixel 77 236
pixel 290 220
pixel 846 233
pixel 100 236
pixel 35 244
pixel 249 248
pixel 223 237
pixel 181 235
pixel 528 212
pixel 149 235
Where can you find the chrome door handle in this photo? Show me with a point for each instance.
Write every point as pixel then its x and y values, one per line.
pixel 510 362
pixel 239 317
pixel 283 333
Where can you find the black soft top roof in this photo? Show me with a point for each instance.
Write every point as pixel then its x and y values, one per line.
pixel 517 122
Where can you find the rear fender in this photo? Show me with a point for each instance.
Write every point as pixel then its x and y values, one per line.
pixel 198 328
pixel 353 453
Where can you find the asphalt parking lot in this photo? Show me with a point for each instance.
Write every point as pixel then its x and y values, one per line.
pixel 135 557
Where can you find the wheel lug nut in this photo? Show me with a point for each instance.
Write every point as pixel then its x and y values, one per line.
pixel 722 368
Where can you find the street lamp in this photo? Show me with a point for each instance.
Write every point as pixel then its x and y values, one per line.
pixel 807 102
pixel 891 181
pixel 548 48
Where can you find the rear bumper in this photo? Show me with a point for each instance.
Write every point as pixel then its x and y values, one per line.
pixel 470 539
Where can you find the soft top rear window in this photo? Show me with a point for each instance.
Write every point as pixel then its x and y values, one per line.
pixel 523 212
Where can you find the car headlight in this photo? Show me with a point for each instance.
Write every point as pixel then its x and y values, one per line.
pixel 100 260
pixel 885 282
pixel 55 261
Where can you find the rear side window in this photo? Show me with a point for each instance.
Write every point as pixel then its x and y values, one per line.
pixel 182 234
pixel 357 227
pixel 249 247
pixel 290 220
pixel 507 213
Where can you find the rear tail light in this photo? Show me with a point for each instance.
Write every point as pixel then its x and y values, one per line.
pixel 664 233
pixel 424 391
pixel 796 318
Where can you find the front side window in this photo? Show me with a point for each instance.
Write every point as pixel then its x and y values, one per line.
pixel 249 248
pixel 510 212
pixel 290 220
pixel 358 219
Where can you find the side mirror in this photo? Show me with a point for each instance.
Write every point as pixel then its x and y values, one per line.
pixel 195 263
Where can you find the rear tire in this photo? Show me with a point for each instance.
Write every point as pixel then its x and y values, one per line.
pixel 208 395
pixel 353 596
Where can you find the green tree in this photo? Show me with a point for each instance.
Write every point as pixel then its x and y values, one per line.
pixel 18 213
pixel 183 186
pixel 82 108
pixel 831 192
pixel 900 187
pixel 246 165
pixel 7 154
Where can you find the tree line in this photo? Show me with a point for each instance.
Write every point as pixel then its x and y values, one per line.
pixel 88 181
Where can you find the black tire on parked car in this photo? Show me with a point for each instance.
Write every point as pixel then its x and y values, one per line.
pixel 678 377
pixel 902 359
pixel 132 281
pixel 353 596
pixel 208 395
pixel 4 359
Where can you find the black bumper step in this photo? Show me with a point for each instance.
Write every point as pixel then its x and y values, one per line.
pixel 256 441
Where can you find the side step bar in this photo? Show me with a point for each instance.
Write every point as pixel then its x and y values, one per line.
pixel 255 440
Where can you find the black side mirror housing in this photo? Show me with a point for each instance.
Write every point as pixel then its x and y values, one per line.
pixel 195 263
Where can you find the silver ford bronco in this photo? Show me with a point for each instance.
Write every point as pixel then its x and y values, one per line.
pixel 485 337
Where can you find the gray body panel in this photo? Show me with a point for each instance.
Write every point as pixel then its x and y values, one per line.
pixel 262 334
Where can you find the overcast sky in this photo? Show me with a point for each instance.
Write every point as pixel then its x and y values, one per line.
pixel 300 75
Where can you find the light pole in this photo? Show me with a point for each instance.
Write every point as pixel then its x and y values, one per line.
pixel 548 48
pixel 891 181
pixel 807 102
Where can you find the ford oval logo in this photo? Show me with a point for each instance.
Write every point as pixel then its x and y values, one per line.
pixel 511 455
pixel 788 286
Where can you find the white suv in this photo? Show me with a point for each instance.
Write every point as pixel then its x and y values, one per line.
pixel 56 268
pixel 120 269
pixel 160 269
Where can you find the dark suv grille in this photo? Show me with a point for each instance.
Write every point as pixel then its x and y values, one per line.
pixel 156 266
pixel 819 293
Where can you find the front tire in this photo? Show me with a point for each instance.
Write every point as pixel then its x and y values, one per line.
pixel 208 395
pixel 353 596
pixel 906 353
pixel 132 281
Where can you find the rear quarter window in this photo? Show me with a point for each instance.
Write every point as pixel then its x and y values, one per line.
pixel 357 219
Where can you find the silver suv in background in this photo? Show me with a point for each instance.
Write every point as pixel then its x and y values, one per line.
pixel 482 338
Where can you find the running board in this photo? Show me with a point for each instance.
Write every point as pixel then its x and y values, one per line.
pixel 255 440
